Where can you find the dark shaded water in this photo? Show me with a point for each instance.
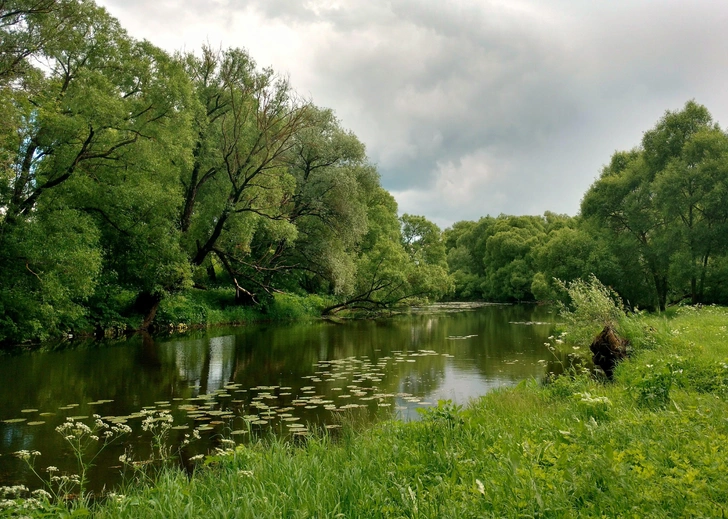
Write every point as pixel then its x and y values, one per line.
pixel 280 378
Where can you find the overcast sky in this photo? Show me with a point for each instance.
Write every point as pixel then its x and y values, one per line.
pixel 473 107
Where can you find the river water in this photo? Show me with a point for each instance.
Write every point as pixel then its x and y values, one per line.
pixel 286 379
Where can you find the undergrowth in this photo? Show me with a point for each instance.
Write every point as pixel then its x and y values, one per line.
pixel 217 306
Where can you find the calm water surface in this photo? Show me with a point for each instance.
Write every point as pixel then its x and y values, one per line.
pixel 280 378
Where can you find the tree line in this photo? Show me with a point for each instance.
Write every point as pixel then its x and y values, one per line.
pixel 653 226
pixel 128 174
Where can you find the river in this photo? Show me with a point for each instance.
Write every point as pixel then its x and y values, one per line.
pixel 285 378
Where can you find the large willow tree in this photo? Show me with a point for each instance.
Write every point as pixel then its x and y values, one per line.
pixel 87 112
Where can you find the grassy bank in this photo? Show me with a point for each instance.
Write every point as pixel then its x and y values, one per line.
pixel 202 308
pixel 650 444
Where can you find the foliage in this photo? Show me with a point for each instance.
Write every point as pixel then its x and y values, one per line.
pixel 652 226
pixel 661 204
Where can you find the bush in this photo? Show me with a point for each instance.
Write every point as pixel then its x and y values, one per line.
pixel 591 308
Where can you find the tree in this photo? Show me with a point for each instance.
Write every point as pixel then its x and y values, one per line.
pixel 465 242
pixel 328 208
pixel 386 274
pixel 661 201
pixel 508 258
pixel 692 188
pixel 570 253
pixel 84 148
pixel 237 182
pixel 422 240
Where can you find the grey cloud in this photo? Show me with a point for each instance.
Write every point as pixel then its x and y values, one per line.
pixel 520 102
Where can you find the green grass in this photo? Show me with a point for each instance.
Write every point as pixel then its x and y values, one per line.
pixel 575 448
pixel 217 307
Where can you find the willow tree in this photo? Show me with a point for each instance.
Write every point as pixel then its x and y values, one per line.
pixel 664 202
pixel 85 100
pixel 238 181
pixel 390 268
pixel 328 208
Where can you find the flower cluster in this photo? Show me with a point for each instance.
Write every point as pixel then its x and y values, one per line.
pixel 188 439
pixel 13 491
pixel 157 421
pixel 73 430
pixel 594 400
pixel 26 455
pixel 73 479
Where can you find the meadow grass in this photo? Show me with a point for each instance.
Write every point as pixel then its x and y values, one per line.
pixel 650 444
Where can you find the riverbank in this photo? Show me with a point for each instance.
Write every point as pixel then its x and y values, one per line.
pixel 192 309
pixel 650 444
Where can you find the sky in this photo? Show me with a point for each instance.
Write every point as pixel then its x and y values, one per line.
pixel 473 107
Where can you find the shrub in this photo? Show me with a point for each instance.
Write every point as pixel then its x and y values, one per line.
pixel 592 307
pixel 291 306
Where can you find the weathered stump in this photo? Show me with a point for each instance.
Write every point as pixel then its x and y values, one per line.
pixel 608 349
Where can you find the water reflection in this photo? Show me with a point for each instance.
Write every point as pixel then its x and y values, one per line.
pixel 268 378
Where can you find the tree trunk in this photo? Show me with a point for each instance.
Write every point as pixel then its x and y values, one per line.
pixel 211 272
pixel 608 349
pixel 147 304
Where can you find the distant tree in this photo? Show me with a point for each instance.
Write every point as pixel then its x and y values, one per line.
pixel 386 274
pixel 422 240
pixel 509 260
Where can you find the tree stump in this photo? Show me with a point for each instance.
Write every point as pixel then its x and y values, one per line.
pixel 608 349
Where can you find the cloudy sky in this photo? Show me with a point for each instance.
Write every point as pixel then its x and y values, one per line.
pixel 473 107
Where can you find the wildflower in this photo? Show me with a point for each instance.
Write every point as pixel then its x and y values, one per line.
pixel 40 493
pixel 51 468
pixel 197 457
pixel 481 487
pixel 15 490
pixel 25 455
pixel 116 497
